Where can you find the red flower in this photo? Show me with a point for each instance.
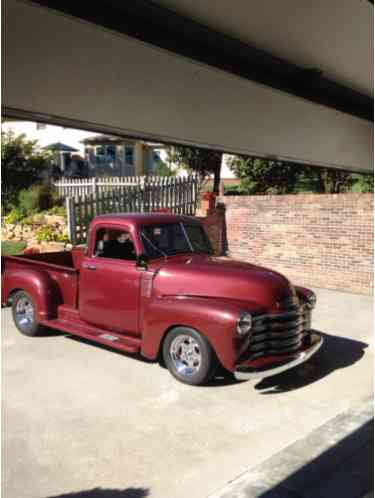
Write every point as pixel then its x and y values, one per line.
pixel 31 250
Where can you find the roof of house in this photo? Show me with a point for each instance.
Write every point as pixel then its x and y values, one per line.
pixel 60 147
pixel 111 140
pixel 105 140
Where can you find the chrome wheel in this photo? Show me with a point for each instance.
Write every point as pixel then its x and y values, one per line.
pixel 189 356
pixel 186 355
pixel 24 313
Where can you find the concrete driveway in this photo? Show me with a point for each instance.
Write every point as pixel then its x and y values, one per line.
pixel 77 417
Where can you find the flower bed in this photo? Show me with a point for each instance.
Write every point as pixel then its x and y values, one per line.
pixel 41 231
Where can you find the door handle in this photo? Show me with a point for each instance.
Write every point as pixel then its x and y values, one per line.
pixel 89 267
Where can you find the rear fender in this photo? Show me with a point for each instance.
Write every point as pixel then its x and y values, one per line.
pixel 212 318
pixel 41 287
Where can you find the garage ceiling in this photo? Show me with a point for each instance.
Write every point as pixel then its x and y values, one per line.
pixel 334 37
pixel 292 81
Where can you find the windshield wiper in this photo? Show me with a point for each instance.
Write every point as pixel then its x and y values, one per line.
pixel 154 246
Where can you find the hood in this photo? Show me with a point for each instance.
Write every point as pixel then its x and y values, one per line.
pixel 211 277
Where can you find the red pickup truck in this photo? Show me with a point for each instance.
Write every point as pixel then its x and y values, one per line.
pixel 149 284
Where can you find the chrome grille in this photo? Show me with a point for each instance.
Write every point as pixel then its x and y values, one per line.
pixel 279 333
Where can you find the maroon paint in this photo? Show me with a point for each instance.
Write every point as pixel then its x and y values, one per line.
pixel 197 291
pixel 114 304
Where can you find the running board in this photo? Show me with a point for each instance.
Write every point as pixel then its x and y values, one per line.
pixel 112 339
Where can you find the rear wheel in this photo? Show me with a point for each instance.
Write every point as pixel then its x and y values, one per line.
pixel 24 314
pixel 189 356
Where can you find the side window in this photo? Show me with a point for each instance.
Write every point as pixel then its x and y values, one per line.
pixel 114 244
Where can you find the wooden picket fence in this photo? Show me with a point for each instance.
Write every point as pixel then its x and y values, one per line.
pixel 178 195
pixel 74 187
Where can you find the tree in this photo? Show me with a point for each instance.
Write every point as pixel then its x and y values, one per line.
pixel 204 161
pixel 162 168
pixel 269 176
pixel 365 183
pixel 330 180
pixel 22 165
pixel 266 176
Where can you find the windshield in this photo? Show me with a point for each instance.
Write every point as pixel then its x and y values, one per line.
pixel 176 238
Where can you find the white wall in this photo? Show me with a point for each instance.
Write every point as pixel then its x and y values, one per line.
pixel 69 71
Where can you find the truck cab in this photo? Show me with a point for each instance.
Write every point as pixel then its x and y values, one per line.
pixel 150 284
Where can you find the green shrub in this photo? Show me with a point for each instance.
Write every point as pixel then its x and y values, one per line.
pixel 162 169
pixel 38 218
pixel 28 200
pixel 22 163
pixel 49 234
pixel 28 220
pixel 16 215
pixel 62 237
pixel 45 234
pixel 57 211
pixel 11 248
pixel 39 197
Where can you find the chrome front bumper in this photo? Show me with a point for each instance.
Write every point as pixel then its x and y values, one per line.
pixel 248 371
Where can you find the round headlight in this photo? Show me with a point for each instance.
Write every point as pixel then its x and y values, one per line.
pixel 244 323
pixel 311 300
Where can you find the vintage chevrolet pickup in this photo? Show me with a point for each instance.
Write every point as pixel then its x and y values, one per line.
pixel 149 284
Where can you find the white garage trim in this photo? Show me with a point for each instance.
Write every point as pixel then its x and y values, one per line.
pixel 69 71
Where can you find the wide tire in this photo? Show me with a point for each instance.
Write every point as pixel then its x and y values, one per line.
pixel 189 356
pixel 24 314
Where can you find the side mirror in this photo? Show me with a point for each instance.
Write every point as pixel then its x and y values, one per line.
pixel 142 261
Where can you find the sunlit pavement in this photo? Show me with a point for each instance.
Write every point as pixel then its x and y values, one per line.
pixel 336 459
pixel 83 421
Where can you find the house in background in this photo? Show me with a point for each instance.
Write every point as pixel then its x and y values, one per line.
pixel 64 144
pixel 100 155
pixel 62 158
pixel 113 156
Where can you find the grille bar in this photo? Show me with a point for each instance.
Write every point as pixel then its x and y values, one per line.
pixel 290 349
pixel 276 344
pixel 279 333
pixel 278 325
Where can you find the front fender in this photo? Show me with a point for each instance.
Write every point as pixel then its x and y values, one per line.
pixel 216 319
pixel 41 287
pixel 302 292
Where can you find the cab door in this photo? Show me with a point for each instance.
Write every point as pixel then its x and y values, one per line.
pixel 109 292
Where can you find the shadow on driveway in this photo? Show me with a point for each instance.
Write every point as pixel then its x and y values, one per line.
pixel 335 353
pixel 345 471
pixel 223 378
pixel 107 493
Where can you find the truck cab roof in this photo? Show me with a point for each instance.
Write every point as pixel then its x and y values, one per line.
pixel 141 219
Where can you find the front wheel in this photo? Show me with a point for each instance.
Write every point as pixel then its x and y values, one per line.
pixel 24 314
pixel 189 356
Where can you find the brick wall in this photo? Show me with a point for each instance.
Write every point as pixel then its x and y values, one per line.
pixel 315 240
pixel 214 225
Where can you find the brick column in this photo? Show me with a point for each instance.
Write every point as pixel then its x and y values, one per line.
pixel 214 224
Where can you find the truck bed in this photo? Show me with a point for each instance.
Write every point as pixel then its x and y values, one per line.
pixel 62 267
pixel 62 271
pixel 66 259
